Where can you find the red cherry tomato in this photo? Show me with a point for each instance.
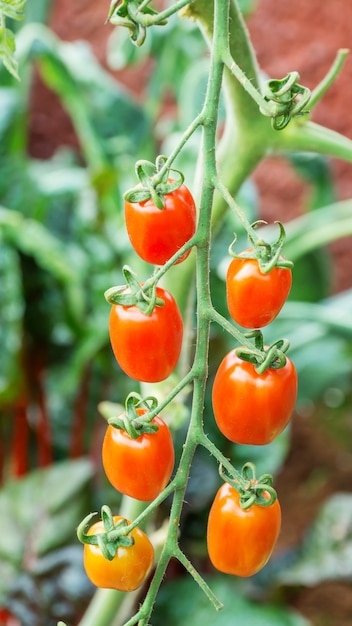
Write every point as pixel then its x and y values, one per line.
pixel 156 234
pixel 252 408
pixel 139 468
pixel 254 299
pixel 147 347
pixel 240 542
pixel 128 569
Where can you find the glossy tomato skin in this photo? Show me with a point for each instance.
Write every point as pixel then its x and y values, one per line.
pixel 251 408
pixel 156 234
pixel 147 347
pixel 240 542
pixel 254 299
pixel 128 569
pixel 139 468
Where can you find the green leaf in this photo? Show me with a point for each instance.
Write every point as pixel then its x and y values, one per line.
pixel 12 8
pixel 58 177
pixel 91 97
pixel 9 9
pixel 311 276
pixel 11 311
pixel 268 458
pixel 32 238
pixel 316 229
pixel 40 511
pixel 65 263
pixel 313 330
pixel 327 550
pixel 315 168
pixel 7 49
pixel 179 600
pixel 9 107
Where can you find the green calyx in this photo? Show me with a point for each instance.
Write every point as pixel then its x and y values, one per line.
pixel 286 99
pixel 134 15
pixel 134 293
pixel 154 182
pixel 267 254
pixel 138 416
pixel 252 490
pixel 264 357
pixel 113 536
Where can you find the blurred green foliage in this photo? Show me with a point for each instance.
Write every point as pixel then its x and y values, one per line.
pixel 327 549
pixel 171 611
pixel 40 561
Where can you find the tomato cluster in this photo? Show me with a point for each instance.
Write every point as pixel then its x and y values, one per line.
pixel 146 333
pixel 253 397
pixel 138 466
pixel 147 346
pixel 250 406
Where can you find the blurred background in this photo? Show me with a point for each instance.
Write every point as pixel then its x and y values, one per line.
pixel 87 107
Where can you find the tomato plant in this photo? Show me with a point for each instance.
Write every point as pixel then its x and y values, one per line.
pixel 147 347
pixel 240 541
pixel 140 467
pixel 255 298
pixel 146 334
pixel 252 408
pixel 130 566
pixel 157 233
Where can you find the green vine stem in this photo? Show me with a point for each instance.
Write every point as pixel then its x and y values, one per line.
pixel 182 384
pixel 232 204
pixel 214 316
pixel 203 324
pixel 168 12
pixel 330 77
pixel 139 13
pixel 201 582
pixel 199 369
pixel 312 137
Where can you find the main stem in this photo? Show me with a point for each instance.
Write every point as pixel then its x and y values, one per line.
pixel 200 364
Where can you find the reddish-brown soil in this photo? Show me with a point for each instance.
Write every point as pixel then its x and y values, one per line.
pixel 303 36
